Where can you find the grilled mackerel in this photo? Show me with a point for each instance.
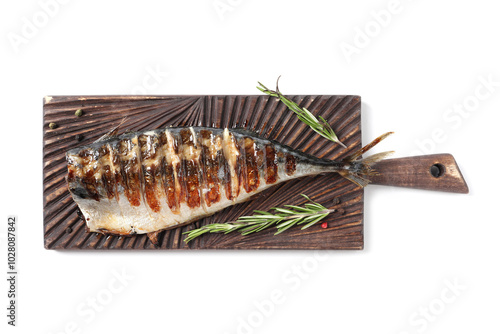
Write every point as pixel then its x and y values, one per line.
pixel 144 182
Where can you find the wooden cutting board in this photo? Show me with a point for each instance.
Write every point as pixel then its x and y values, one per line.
pixel 64 229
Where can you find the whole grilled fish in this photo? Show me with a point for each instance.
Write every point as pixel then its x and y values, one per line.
pixel 144 182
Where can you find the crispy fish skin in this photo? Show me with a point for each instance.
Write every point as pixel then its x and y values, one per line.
pixel 148 181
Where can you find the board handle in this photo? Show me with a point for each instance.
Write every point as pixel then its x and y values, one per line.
pixel 431 172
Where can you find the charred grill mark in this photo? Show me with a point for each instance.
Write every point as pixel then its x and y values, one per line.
pixel 227 178
pixel 149 151
pixel 271 164
pixel 190 166
pixel 148 144
pixel 249 170
pixel 88 162
pixel 239 169
pixel 114 176
pixel 202 178
pixel 187 138
pixel 108 179
pixel 151 174
pixel 290 164
pixel 130 169
pixel 179 170
pixel 116 169
pixel 167 172
pixel 181 175
pixel 211 146
pixel 169 185
pixel 175 162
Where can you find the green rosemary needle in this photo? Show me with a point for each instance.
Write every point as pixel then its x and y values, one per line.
pixel 282 219
pixel 320 126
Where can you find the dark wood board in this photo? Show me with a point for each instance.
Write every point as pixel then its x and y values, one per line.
pixel 63 229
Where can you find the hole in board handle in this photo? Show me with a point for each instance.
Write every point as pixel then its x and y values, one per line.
pixel 437 170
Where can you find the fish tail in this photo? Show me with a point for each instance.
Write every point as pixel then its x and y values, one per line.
pixel 357 170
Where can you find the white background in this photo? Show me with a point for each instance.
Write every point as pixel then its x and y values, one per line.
pixel 413 66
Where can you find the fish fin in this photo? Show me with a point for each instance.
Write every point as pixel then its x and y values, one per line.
pixel 153 237
pixel 355 178
pixel 373 159
pixel 111 133
pixel 114 232
pixel 365 148
pixel 357 169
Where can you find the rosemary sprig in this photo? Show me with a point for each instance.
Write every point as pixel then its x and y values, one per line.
pixel 320 126
pixel 282 219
